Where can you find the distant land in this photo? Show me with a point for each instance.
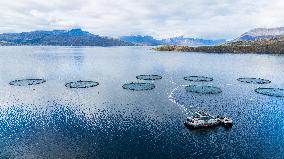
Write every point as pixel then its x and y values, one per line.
pixel 259 40
pixel 74 37
pixel 181 40
pixel 78 37
pixel 265 41
pixel 141 40
pixel 261 33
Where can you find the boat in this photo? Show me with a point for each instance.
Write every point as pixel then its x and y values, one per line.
pixel 205 120
pixel 226 122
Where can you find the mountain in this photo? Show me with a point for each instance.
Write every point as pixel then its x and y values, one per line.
pixel 78 37
pixel 181 40
pixel 74 37
pixel 273 45
pixel 259 40
pixel 261 33
pixel 141 40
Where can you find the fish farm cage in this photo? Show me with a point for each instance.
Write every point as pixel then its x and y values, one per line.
pixel 136 86
pixel 27 82
pixel 203 89
pixel 254 80
pixel 81 84
pixel 149 77
pixel 198 78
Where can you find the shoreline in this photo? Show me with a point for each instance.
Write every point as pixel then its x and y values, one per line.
pixel 259 46
pixel 218 49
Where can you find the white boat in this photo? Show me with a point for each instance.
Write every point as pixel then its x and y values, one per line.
pixel 204 120
pixel 227 122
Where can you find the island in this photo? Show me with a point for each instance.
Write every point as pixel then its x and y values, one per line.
pixel 274 45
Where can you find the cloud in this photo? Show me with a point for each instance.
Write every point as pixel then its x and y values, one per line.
pixel 160 18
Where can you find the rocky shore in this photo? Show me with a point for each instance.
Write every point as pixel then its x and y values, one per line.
pixel 263 46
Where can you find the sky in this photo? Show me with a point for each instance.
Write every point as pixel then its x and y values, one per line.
pixel 210 19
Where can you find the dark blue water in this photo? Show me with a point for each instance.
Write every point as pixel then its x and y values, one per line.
pixel 52 121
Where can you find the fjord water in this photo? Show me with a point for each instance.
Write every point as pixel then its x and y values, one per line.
pixel 52 121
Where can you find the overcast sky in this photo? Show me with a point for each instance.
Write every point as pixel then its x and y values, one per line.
pixel 160 18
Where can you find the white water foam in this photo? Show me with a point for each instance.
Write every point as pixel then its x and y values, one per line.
pixel 172 99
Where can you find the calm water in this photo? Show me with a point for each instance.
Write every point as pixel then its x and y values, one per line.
pixel 52 121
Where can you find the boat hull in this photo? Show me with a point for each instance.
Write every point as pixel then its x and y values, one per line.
pixel 228 125
pixel 201 126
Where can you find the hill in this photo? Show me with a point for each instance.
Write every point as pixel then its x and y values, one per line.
pixel 261 33
pixel 181 40
pixel 141 40
pixel 265 45
pixel 74 37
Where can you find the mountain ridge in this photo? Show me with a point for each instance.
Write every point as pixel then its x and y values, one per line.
pixel 179 40
pixel 259 33
pixel 78 37
pixel 259 40
pixel 273 45
pixel 73 37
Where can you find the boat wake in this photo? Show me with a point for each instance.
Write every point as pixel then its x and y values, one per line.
pixel 172 99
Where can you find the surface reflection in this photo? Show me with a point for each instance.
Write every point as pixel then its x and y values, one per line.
pixel 51 121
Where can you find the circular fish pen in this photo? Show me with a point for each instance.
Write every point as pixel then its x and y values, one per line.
pixel 27 82
pixel 275 92
pixel 203 89
pixel 198 78
pixel 135 86
pixel 149 77
pixel 254 80
pixel 81 84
